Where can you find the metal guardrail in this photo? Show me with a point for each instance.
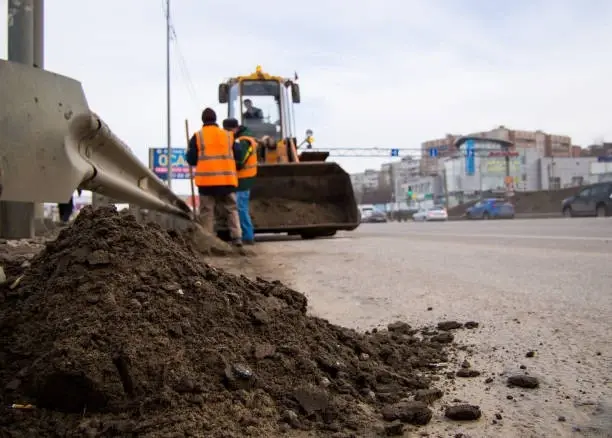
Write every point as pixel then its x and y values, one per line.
pixel 51 143
pixel 118 173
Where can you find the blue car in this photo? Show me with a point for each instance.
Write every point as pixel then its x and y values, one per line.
pixel 491 209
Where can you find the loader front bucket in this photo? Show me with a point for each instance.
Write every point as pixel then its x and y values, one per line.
pixel 311 199
pixel 309 156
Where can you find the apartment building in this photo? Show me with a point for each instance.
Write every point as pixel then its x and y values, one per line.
pixel 367 180
pixel 546 145
pixel 444 148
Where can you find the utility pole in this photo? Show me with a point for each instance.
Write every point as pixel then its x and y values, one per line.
pixel 168 122
pixel 17 218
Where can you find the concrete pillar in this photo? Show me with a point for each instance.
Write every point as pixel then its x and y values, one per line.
pixel 17 218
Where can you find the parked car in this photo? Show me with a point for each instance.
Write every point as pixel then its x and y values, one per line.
pixel 371 215
pixel 593 200
pixel 431 214
pixel 491 208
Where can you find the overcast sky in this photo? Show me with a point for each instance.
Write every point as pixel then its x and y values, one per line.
pixel 385 73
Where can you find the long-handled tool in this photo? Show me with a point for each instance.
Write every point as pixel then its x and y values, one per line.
pixel 193 198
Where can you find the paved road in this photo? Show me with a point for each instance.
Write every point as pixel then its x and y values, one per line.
pixel 542 284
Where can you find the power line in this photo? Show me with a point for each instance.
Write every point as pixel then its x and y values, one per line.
pixel 181 61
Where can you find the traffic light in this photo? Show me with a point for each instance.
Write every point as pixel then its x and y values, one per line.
pixel 409 193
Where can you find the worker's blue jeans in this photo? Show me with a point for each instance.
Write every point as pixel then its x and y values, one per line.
pixel 242 198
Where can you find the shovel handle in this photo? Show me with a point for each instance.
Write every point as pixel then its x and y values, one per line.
pixel 193 198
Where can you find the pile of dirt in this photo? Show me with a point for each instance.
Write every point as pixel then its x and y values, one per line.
pixel 276 212
pixel 15 256
pixel 527 202
pixel 119 329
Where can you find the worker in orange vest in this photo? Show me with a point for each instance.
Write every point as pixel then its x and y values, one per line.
pixel 245 154
pixel 211 152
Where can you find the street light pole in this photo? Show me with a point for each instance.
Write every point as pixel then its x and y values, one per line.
pixel 168 123
pixel 17 218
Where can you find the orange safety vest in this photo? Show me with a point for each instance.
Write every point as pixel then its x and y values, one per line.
pixel 216 165
pixel 250 166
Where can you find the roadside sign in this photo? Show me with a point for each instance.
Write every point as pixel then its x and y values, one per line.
pixel 395 152
pixel 433 152
pixel 158 163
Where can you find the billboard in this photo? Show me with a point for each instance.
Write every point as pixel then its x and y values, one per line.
pixel 158 163
pixel 470 161
pixel 498 166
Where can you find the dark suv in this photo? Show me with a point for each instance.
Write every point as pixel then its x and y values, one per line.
pixel 594 200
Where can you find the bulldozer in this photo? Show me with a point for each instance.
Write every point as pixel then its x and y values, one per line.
pixel 295 192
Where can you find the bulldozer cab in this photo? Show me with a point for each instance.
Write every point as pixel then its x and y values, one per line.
pixel 264 104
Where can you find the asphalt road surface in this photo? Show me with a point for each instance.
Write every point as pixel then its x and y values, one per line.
pixel 543 285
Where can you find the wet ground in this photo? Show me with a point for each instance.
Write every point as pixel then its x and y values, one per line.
pixel 541 286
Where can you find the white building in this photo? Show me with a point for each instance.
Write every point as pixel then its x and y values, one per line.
pixel 562 172
pixel 530 171
pixel 367 180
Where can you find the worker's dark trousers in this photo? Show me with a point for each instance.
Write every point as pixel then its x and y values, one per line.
pixel 65 210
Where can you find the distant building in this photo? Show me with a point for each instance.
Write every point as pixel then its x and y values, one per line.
pixel 367 180
pixel 597 150
pixel 496 160
pixel 546 145
pixel 443 149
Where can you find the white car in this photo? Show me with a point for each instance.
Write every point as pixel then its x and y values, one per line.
pixel 430 214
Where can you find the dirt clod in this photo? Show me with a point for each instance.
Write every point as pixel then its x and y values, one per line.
pixel 428 395
pixel 465 372
pixel 396 428
pixel 449 325
pixel 443 338
pixel 411 412
pixel 463 412
pixel 121 329
pixel 523 381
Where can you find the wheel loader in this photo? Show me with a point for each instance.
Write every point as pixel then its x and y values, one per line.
pixel 295 192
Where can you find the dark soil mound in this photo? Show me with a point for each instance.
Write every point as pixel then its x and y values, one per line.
pixel 119 329
pixel 278 212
